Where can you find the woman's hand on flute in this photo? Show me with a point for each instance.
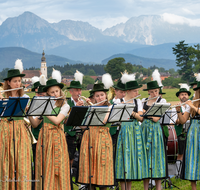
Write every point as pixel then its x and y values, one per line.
pixel 189 103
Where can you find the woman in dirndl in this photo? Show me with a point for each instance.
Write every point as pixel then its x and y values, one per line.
pixel 153 137
pixel 101 153
pixel 130 136
pixel 21 161
pixel 56 157
pixel 191 161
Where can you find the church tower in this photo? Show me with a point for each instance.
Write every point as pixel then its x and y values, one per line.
pixel 43 68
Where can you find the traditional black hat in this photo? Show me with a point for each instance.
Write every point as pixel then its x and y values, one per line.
pixel 152 85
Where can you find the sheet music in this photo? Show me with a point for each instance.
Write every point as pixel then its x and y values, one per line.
pixel 117 110
pixel 157 109
pixel 38 105
pixel 15 106
pixel 100 115
pixel 3 105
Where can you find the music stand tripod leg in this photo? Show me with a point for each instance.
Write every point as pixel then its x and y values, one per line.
pixel 123 159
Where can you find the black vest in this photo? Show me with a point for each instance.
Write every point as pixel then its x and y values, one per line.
pixel 146 107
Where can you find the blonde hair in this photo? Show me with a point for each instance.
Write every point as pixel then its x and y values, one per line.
pixel 61 101
pixel 196 104
pixel 6 86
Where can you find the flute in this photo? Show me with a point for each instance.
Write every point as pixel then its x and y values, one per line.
pixel 99 102
pixel 2 91
pixel 183 103
pixel 151 98
pixel 132 98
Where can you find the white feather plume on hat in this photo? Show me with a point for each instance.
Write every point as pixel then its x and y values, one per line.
pixel 35 79
pixel 184 85
pixel 107 80
pixel 78 76
pixel 43 80
pixel 156 77
pixel 56 75
pixel 19 65
pixel 197 75
pixel 127 77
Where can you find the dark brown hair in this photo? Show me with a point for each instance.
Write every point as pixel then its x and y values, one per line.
pixel 106 103
pixel 196 104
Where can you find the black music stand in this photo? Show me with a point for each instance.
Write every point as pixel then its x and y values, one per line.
pixel 167 119
pixel 121 113
pixel 42 106
pixel 88 116
pixel 156 110
pixel 13 107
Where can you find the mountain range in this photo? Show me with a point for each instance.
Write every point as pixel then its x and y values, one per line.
pixel 147 36
pixel 9 55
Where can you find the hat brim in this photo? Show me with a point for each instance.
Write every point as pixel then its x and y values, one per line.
pixel 105 90
pixel 193 83
pixel 116 87
pixel 20 75
pixel 189 93
pixel 74 87
pixel 134 87
pixel 46 87
pixel 196 88
pixel 151 88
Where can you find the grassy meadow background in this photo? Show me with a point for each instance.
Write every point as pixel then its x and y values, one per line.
pixel 182 184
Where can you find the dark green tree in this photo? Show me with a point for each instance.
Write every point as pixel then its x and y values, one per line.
pixel 91 72
pixel 115 66
pixel 87 80
pixel 183 61
pixel 129 67
pixel 3 73
pixel 194 53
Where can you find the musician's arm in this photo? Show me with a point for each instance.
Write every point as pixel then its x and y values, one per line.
pixel 61 116
pixel 183 117
pixel 155 119
pixel 1 96
pixel 35 121
pixel 137 115
pixel 189 102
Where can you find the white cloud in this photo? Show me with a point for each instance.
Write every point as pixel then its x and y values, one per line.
pixel 105 13
pixel 188 11
pixel 175 19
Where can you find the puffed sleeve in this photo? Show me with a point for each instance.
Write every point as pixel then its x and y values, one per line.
pixel 65 109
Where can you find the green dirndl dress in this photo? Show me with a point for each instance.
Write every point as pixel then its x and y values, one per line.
pixel 135 158
pixel 191 169
pixel 152 132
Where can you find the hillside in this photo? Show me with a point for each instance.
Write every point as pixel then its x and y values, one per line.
pixel 9 55
pixel 145 62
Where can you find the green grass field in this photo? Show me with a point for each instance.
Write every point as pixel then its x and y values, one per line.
pixel 182 184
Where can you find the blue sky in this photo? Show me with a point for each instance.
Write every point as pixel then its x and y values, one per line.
pixel 104 13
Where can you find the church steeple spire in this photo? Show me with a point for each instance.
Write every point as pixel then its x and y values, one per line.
pixel 43 59
pixel 43 68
